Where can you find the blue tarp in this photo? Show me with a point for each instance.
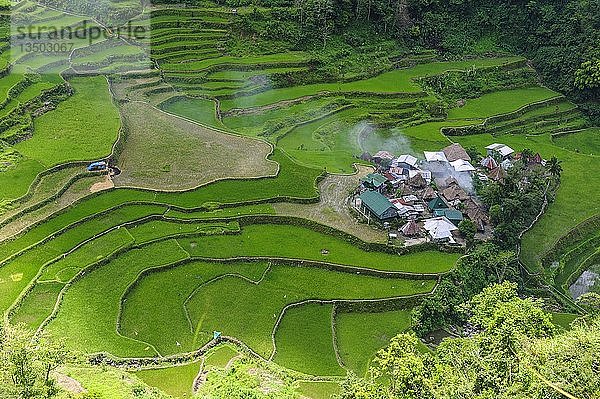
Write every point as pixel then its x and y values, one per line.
pixel 97 166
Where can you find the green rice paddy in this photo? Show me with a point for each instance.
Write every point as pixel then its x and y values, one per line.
pixel 305 341
pixel 293 242
pixel 175 381
pixel 161 271
pixel 358 345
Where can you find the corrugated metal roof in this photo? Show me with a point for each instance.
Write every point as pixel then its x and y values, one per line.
pixel 450 214
pixel 375 179
pixel 376 202
pixel 437 203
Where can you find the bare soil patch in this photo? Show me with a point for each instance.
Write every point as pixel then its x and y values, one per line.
pixel 69 384
pixel 105 184
pixel 164 152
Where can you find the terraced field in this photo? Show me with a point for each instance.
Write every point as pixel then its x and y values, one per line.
pixel 190 241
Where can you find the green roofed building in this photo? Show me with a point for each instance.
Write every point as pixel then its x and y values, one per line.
pixel 437 203
pixel 373 204
pixel 451 214
pixel 373 181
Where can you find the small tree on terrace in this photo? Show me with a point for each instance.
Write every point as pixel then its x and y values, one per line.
pixel 526 155
pixel 26 362
pixel 468 229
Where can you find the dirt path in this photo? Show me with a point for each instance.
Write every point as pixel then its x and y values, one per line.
pixel 333 208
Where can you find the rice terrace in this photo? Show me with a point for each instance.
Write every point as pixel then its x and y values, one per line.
pixel 251 199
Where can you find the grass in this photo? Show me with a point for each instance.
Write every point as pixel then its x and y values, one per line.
pixel 253 310
pixel 221 356
pixel 99 294
pixel 50 183
pixel 584 142
pixel 204 65
pixel 258 209
pixel 574 260
pixel 83 127
pixel 332 142
pixel 357 344
pixel 75 235
pixel 297 180
pixel 39 304
pixel 15 181
pixel 106 382
pixel 16 274
pixel 305 343
pixel 547 112
pixel 293 242
pixel 318 389
pixel 25 214
pixel 255 123
pixel 27 94
pixel 66 268
pixel 336 141
pixel 175 381
pixel 292 181
pixel 396 81
pixel 501 102
pixel 196 109
pixel 245 75
pixel 7 82
pixel 234 305
pixel 104 52
pixel 157 229
pixel 564 320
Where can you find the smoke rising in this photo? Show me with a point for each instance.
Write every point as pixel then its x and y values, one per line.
pixel 441 171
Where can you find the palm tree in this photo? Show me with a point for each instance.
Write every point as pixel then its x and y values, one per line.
pixel 554 166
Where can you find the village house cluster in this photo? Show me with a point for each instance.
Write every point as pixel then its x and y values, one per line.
pixel 427 199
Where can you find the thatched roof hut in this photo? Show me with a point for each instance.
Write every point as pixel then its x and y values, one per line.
pixel 455 151
pixel 429 193
pixel 417 181
pixel 497 174
pixel 411 228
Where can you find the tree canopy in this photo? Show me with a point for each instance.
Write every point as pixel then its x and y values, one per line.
pixel 517 353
